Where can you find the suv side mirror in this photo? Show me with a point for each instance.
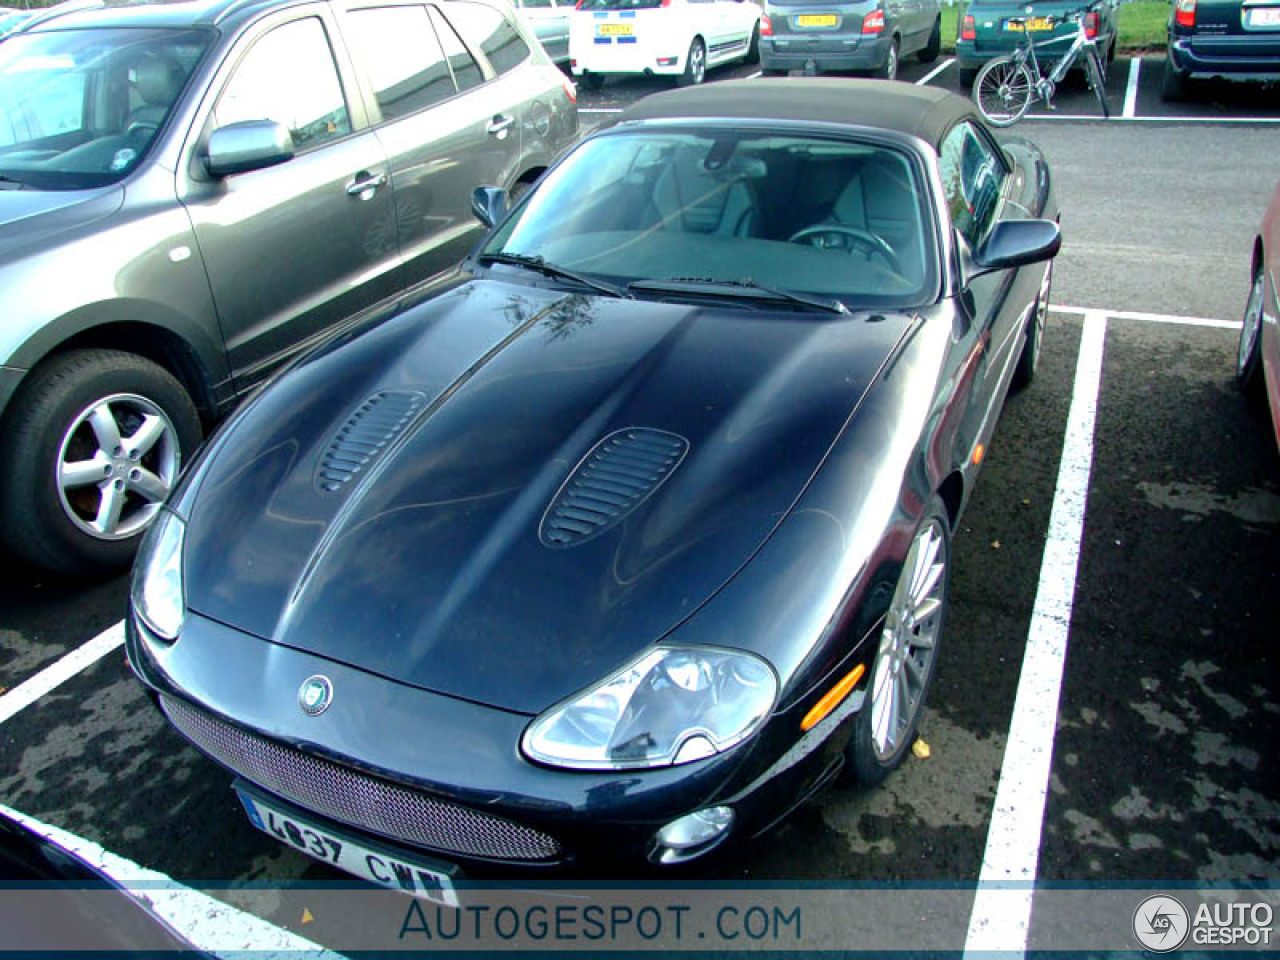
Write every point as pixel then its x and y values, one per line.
pixel 248 145
pixel 489 204
pixel 1015 243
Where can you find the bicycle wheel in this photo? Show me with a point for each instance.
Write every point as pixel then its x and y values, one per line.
pixel 1093 69
pixel 1003 91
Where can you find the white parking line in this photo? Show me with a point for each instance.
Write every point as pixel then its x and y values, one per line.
pixel 209 924
pixel 1032 117
pixel 1150 317
pixel 935 71
pixel 754 75
pixel 1001 916
pixel 1131 91
pixel 57 673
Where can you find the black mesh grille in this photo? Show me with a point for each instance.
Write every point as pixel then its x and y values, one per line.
pixel 355 798
pixel 612 480
pixel 365 435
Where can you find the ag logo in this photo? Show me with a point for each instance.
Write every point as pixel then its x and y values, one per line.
pixel 1161 923
pixel 315 695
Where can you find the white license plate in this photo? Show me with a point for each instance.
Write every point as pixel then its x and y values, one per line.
pixel 396 872
pixel 1264 17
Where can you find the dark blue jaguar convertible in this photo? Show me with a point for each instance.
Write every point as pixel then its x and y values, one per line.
pixel 623 546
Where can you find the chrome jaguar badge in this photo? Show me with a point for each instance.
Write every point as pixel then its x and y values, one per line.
pixel 315 695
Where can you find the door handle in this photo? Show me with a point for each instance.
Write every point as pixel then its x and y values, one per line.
pixel 499 125
pixel 364 186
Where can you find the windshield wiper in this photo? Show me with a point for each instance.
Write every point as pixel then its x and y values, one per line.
pixel 540 264
pixel 745 287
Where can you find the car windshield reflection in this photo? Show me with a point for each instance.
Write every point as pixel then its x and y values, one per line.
pixel 831 218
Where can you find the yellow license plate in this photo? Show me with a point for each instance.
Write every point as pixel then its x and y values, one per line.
pixel 614 30
pixel 1034 24
pixel 816 20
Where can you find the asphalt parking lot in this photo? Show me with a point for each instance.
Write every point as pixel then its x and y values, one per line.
pixel 1162 739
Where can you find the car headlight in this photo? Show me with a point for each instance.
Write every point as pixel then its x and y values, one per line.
pixel 672 705
pixel 157 579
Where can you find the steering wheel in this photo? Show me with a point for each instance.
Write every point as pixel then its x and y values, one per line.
pixel 141 129
pixel 850 238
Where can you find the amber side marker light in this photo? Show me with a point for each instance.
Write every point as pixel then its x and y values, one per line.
pixel 978 453
pixel 832 698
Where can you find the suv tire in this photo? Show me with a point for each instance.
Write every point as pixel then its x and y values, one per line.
pixel 83 407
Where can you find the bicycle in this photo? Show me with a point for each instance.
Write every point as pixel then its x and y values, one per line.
pixel 1005 87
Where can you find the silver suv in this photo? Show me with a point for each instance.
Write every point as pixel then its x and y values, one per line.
pixel 191 193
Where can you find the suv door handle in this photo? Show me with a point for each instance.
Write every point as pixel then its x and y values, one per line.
pixel 362 185
pixel 499 125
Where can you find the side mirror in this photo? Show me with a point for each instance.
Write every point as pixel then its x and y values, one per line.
pixel 1015 243
pixel 245 146
pixel 489 204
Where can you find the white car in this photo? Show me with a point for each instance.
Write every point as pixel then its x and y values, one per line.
pixel 678 38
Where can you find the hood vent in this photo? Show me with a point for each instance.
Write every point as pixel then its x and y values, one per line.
pixel 612 480
pixel 368 432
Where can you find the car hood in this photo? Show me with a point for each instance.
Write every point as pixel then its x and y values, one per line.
pixel 29 216
pixel 426 563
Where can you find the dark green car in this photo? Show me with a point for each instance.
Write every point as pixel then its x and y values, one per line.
pixel 985 31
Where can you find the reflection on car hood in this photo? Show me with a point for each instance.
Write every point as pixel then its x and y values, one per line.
pixel 29 216
pixel 421 560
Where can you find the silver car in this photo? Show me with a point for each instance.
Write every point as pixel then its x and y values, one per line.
pixel 191 194
pixel 872 36
pixel 549 20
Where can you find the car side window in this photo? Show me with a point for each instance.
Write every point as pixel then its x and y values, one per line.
pixel 289 76
pixel 406 66
pixel 486 28
pixel 466 72
pixel 973 177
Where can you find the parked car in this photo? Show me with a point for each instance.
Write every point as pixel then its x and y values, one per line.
pixel 549 21
pixel 674 38
pixel 1258 358
pixel 193 194
pixel 1235 39
pixel 818 36
pixel 991 28
pixel 625 545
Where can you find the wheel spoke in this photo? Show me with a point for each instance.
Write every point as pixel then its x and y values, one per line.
pixel 903 697
pixel 105 429
pixel 927 607
pixel 149 486
pixel 915 672
pixel 144 438
pixel 81 473
pixel 927 573
pixel 109 509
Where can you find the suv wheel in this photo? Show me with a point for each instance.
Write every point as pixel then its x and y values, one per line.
pixel 95 442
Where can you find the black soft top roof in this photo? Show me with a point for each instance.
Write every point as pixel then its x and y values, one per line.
pixel 924 112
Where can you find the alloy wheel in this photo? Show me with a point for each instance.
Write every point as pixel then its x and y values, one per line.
pixel 1251 327
pixel 117 462
pixel 904 660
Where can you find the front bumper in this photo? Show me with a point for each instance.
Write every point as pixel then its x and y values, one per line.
pixel 1249 57
pixel 386 742
pixel 828 53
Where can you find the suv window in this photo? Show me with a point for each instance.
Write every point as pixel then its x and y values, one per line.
pixel 973 177
pixel 80 108
pixel 289 76
pixel 486 28
pixel 406 65
pixel 466 72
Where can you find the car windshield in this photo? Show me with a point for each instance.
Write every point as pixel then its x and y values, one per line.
pixel 828 218
pixel 80 108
